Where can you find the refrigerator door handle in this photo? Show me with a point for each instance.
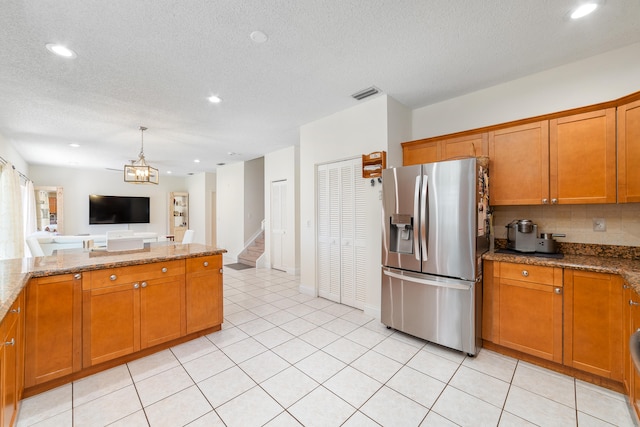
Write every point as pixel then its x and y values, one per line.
pixel 416 215
pixel 424 202
pixel 449 285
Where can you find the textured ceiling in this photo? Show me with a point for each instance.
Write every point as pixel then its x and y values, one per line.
pixel 155 62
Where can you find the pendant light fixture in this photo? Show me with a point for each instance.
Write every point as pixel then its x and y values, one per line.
pixel 138 172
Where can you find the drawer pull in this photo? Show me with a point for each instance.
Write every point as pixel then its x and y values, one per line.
pixel 136 285
pixel 113 277
pixel 220 271
pixel 557 291
pixel 164 269
pixel 525 273
pixel 16 310
pixel 206 264
pixel 554 201
pixel 77 276
pixel 12 342
pixel 545 201
pixel 632 302
pixel 144 284
pixel 625 286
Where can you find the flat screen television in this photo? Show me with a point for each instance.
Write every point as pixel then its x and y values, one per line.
pixel 118 210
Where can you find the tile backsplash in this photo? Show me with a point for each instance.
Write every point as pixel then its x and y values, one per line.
pixel 576 221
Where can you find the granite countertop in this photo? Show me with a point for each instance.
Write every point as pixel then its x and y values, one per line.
pixel 15 273
pixel 627 268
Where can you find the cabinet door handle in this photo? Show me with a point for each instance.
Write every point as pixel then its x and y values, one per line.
pixel 632 302
pixel 164 269
pixel 545 201
pixel 136 285
pixel 206 264
pixel 16 310
pixel 557 291
pixel 12 342
pixel 625 286
pixel 220 271
pixel 77 276
pixel 144 284
pixel 113 277
pixel 525 273
pixel 554 201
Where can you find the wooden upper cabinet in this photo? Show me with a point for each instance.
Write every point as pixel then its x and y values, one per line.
pixel 629 153
pixel 464 146
pixel 430 150
pixel 582 158
pixel 418 152
pixel 519 165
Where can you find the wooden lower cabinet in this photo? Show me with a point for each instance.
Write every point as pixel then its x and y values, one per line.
pixel 204 293
pixel 593 323
pixel 53 328
pixel 12 362
pixel 527 304
pixel 634 377
pixel 131 308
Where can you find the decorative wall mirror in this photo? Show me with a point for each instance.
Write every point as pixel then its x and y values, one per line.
pixel 49 209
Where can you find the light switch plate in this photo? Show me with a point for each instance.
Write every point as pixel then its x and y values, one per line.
pixel 599 224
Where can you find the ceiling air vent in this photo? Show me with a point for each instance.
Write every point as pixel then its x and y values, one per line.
pixel 365 93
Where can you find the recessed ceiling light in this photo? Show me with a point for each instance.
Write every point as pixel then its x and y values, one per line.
pixel 169 172
pixel 214 99
pixel 196 161
pixel 74 145
pixel 232 153
pixel 258 37
pixel 61 50
pixel 220 164
pixel 583 10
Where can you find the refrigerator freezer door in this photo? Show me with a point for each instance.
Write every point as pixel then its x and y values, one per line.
pixel 450 219
pixel 400 217
pixel 440 310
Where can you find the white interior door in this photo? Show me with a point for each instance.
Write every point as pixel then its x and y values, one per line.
pixel 278 223
pixel 340 235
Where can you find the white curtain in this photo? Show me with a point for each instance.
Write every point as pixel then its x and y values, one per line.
pixel 11 225
pixel 29 217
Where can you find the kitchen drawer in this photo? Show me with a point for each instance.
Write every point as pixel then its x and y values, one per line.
pixel 212 263
pixel 530 273
pixel 122 275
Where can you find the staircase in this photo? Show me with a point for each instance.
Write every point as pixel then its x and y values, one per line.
pixel 253 251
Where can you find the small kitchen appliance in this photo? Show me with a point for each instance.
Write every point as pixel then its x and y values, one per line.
pixel 546 244
pixel 522 235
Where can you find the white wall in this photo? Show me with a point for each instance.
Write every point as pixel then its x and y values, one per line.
pixel 196 187
pixel 399 131
pixel 593 80
pixel 346 134
pixel 78 184
pixel 283 165
pixel 10 154
pixel 230 209
pixel 253 197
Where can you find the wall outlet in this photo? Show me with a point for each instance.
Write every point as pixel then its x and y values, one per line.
pixel 599 224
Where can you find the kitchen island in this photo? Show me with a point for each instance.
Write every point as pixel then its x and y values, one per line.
pixel 81 311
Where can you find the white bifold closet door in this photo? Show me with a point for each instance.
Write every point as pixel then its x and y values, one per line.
pixel 341 239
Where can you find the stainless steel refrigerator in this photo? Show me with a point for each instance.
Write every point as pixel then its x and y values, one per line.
pixel 435 230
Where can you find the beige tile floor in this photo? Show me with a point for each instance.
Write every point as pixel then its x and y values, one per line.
pixel 287 359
